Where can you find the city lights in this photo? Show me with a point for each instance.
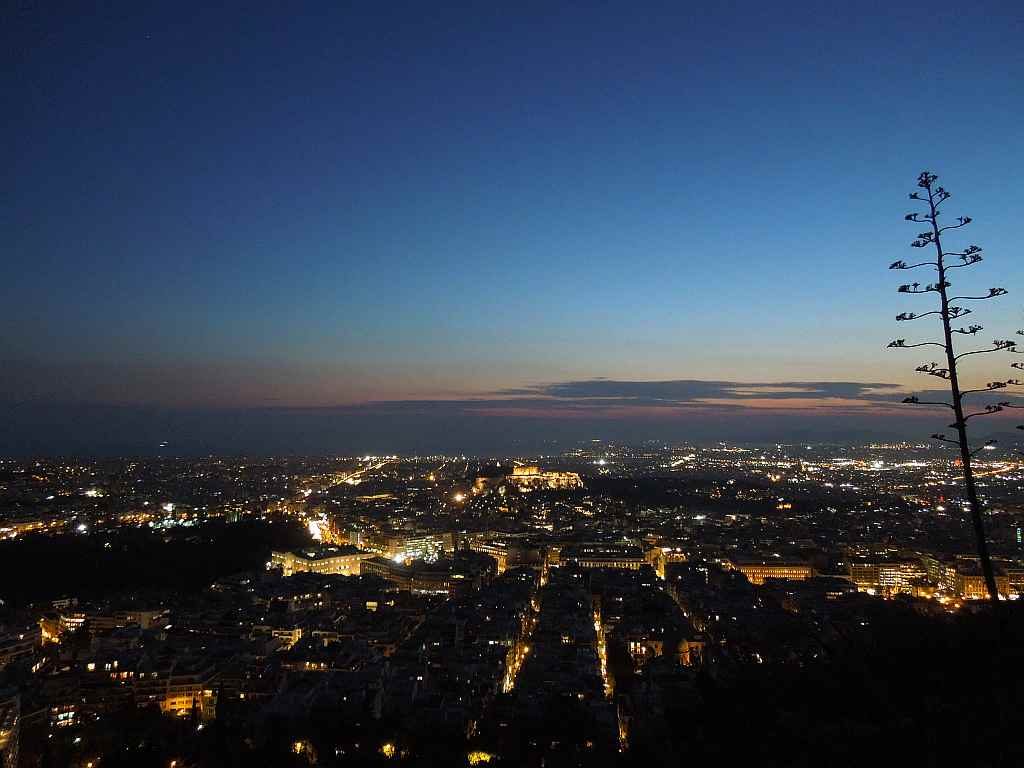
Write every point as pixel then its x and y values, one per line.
pixel 527 588
pixel 448 384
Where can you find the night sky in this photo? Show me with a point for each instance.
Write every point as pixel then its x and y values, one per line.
pixel 380 227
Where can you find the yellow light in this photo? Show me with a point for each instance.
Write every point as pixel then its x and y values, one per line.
pixel 388 750
pixel 459 497
pixel 476 757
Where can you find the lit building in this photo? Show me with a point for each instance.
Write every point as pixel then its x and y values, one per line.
pixel 970 583
pixel 643 646
pixel 888 577
pixel 603 555
pixel 64 714
pixel 336 560
pixel 410 545
pixel 420 546
pixel 101 622
pixel 49 629
pixel 71 621
pixel 468 571
pixel 531 478
pixel 940 572
pixel 659 557
pixel 757 571
pixel 1015 581
pixel 179 689
pixel 484 483
pixel 691 651
pixel 397 574
pixel 508 554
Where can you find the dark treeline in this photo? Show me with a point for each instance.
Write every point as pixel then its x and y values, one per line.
pixel 136 560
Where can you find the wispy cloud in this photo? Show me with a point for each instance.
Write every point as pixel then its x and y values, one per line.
pixel 618 399
pixel 682 391
pixel 535 417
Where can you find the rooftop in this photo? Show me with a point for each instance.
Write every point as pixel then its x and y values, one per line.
pixel 322 553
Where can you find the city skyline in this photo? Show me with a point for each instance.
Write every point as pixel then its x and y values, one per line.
pixel 610 605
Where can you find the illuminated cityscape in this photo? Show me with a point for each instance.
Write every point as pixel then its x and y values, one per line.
pixel 521 385
pixel 421 597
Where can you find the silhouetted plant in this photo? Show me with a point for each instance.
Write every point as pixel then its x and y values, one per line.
pixel 933 197
pixel 1019 367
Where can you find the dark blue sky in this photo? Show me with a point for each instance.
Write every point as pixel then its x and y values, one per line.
pixel 242 207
